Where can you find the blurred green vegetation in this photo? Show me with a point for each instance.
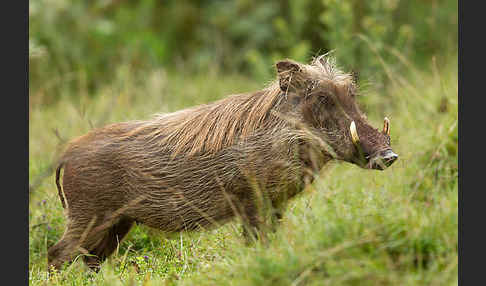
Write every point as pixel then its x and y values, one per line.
pixel 82 44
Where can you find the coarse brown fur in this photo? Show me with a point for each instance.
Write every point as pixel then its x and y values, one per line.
pixel 201 166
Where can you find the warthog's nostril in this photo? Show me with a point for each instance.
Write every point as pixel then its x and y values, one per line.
pixel 389 157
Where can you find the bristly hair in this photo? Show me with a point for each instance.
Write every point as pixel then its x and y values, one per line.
pixel 324 68
pixel 212 127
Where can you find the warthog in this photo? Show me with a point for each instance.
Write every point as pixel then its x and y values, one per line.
pixel 201 166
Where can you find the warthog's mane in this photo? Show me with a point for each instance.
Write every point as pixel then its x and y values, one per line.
pixel 324 68
pixel 212 127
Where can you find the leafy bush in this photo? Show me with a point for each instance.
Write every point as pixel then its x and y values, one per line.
pixel 79 45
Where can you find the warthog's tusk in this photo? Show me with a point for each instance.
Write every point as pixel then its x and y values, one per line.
pixel 355 138
pixel 386 126
pixel 354 133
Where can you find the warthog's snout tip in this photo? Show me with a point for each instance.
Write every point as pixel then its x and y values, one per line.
pixel 389 157
pixel 383 160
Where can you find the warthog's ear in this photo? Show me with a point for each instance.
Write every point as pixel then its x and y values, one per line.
pixel 290 75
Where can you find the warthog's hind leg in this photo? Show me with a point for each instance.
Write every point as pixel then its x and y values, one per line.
pixel 107 244
pixel 67 248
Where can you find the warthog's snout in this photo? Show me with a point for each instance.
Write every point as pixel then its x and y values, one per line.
pixel 383 160
pixel 379 160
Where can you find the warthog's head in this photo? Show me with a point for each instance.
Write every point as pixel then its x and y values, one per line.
pixel 326 100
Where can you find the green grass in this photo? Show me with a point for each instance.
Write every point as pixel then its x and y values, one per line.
pixel 351 227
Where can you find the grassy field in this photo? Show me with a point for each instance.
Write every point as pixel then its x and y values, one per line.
pixel 351 227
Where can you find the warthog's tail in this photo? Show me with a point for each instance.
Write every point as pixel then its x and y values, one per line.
pixel 59 188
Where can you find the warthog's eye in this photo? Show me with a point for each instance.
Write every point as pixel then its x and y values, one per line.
pixel 326 100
